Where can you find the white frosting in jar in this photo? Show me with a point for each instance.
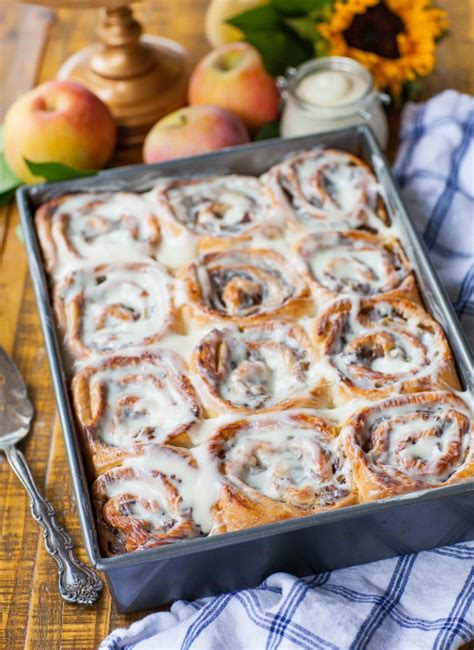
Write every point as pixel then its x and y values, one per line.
pixel 331 88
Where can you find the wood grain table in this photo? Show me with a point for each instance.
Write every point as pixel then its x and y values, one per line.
pixel 33 43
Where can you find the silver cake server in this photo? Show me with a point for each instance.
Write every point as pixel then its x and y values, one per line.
pixel 77 583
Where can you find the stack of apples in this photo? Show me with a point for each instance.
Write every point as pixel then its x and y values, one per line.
pixel 230 96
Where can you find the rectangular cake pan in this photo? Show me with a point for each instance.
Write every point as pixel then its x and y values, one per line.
pixel 305 546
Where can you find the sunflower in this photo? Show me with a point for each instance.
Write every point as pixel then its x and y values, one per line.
pixel 394 39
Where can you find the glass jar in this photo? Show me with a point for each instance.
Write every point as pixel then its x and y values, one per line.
pixel 362 103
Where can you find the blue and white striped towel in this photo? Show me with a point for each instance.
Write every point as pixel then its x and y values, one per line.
pixel 414 602
pixel 435 169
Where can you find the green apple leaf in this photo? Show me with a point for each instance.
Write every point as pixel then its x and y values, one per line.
pixel 268 131
pixel 8 181
pixel 300 7
pixel 7 197
pixel 304 27
pixel 279 50
pixel 321 46
pixel 264 18
pixel 55 171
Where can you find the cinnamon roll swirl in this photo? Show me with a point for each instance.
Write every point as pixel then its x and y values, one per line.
pixel 123 402
pixel 410 442
pixel 255 368
pixel 107 226
pixel 244 287
pixel 146 501
pixel 111 307
pixel 378 346
pixel 355 263
pixel 214 209
pixel 326 189
pixel 278 466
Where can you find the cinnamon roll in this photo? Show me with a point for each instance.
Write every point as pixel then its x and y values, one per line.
pixel 123 402
pixel 278 466
pixel 107 226
pixel 147 501
pixel 244 287
pixel 355 263
pixel 378 346
pixel 214 209
pixel 410 442
pixel 255 368
pixel 110 307
pixel 326 189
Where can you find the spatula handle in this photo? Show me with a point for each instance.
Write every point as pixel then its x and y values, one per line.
pixel 77 583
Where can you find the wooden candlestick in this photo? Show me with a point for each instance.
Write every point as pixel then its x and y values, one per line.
pixel 140 78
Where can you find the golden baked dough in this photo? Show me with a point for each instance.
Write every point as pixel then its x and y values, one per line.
pixel 122 402
pixel 355 263
pixel 326 189
pixel 219 211
pixel 111 307
pixel 140 505
pixel 378 346
pixel 256 368
pixel 244 286
pixel 210 386
pixel 96 227
pixel 278 466
pixel 411 442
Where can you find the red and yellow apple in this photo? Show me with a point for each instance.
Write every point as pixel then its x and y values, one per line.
pixel 58 121
pixel 233 77
pixel 193 130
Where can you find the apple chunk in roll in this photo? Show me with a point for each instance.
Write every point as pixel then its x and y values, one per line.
pixel 111 307
pixel 411 442
pixel 257 368
pixel 149 500
pixel 244 287
pixel 87 227
pixel 378 346
pixel 278 466
pixel 126 401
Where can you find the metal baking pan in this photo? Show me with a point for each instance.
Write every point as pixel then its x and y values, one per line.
pixel 320 542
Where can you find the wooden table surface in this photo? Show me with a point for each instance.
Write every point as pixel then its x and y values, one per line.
pixel 33 43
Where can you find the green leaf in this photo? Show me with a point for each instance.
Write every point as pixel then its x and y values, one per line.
pixel 265 18
pixel 268 131
pixel 300 7
pixel 279 50
pixel 7 197
pixel 8 181
pixel 321 46
pixel 304 27
pixel 54 171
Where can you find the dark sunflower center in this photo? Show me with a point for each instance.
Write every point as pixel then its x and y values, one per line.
pixel 376 31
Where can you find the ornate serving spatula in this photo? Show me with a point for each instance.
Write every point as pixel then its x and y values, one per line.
pixel 77 583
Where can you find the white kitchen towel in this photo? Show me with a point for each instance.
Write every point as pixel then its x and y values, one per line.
pixel 413 602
